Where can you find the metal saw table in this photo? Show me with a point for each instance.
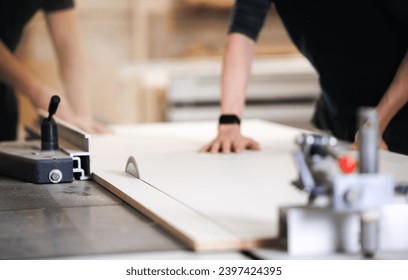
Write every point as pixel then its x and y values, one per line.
pixel 80 220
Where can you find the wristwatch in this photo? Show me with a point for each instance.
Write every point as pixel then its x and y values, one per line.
pixel 229 119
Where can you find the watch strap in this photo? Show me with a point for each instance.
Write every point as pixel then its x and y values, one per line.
pixel 229 119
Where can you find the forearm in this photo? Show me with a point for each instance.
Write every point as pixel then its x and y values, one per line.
pixel 395 97
pixel 236 70
pixel 18 76
pixel 65 33
pixel 74 79
pixel 235 74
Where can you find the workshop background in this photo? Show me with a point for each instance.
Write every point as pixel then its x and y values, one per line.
pixel 155 61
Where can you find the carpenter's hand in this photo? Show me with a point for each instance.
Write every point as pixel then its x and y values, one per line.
pixel 229 139
pixel 42 98
pixel 381 143
pixel 91 126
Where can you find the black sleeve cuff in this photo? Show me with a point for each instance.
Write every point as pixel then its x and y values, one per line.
pixel 55 5
pixel 248 17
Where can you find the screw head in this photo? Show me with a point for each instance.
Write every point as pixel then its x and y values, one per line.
pixel 352 195
pixel 55 176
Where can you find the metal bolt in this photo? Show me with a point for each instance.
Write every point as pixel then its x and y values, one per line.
pixel 55 176
pixel 352 195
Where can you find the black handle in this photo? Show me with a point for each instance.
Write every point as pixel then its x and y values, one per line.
pixel 49 129
pixel 52 108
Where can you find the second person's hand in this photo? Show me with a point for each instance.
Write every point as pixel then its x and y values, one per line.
pixel 229 139
pixel 381 143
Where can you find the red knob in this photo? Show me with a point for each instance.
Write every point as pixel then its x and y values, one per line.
pixel 347 164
